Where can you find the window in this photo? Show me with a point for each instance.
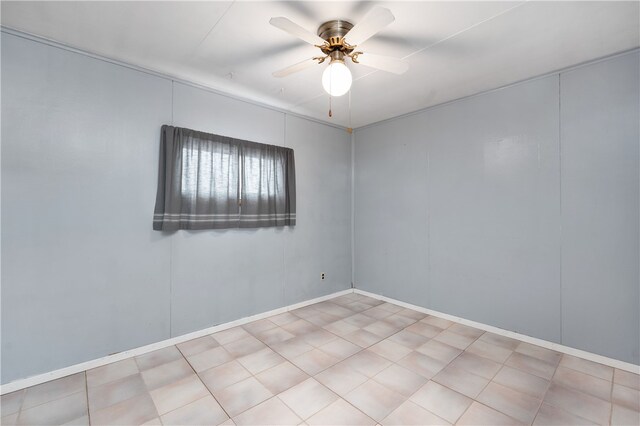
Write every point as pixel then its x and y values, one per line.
pixel 209 181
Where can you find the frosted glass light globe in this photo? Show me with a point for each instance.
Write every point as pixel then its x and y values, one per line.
pixel 336 79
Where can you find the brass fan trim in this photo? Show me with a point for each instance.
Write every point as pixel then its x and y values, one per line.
pixel 333 33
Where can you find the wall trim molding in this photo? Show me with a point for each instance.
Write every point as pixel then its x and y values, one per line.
pixel 50 42
pixel 159 74
pixel 611 362
pixel 559 71
pixel 98 362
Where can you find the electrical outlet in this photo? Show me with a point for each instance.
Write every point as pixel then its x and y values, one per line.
pixel 322 276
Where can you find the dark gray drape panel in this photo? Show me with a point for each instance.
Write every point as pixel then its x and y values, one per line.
pixel 208 181
pixel 268 186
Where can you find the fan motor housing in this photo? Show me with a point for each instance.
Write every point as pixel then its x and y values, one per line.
pixel 333 32
pixel 335 29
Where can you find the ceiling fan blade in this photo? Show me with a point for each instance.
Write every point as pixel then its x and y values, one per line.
pixel 374 21
pixel 295 68
pixel 294 29
pixel 383 63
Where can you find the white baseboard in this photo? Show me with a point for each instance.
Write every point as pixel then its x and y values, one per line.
pixel 77 368
pixel 522 337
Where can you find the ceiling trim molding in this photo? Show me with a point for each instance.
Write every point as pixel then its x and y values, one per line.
pixel 63 46
pixel 506 86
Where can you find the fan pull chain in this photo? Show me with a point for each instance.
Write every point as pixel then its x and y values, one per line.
pixel 350 129
pixel 330 89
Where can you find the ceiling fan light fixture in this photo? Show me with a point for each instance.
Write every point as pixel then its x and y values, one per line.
pixel 336 78
pixel 338 39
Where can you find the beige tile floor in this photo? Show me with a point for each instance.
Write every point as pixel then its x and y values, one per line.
pixel 351 360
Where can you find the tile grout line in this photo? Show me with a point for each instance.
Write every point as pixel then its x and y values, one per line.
pixel 611 398
pixel 492 379
pixel 489 381
pixel 428 380
pixel 544 395
pixel 542 400
pixel 304 420
pixel 55 398
pixel 361 349
pixel 251 375
pixel 203 384
pixel 287 360
pixel 132 353
pixel 342 360
pixel 254 376
pixel 556 347
pixel 367 347
pixel 325 369
pixel 290 408
pixel 19 412
pixel 491 408
pixel 86 389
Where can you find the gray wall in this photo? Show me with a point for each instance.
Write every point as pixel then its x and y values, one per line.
pixel 83 274
pixel 517 208
pixel 600 180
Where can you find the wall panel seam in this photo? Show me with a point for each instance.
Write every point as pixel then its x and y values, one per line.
pixel 62 46
pixel 285 235
pixel 560 196
pixel 171 237
pixel 429 302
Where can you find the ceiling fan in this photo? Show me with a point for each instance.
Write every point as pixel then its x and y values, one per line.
pixel 338 40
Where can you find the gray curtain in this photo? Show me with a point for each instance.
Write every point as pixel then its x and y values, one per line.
pixel 207 181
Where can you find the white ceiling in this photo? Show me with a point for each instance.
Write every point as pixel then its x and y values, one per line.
pixel 455 49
